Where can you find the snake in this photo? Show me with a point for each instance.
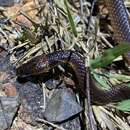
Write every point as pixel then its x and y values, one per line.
pixel 45 62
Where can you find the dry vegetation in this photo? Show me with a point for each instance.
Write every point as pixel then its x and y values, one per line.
pixel 40 26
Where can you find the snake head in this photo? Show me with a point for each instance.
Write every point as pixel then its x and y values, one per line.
pixel 35 66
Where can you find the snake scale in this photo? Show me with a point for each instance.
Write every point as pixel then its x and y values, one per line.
pixel 43 63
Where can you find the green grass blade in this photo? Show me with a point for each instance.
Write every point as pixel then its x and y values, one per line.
pixel 71 21
pixel 124 105
pixel 109 55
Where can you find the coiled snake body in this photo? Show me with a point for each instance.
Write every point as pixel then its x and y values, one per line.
pixel 44 63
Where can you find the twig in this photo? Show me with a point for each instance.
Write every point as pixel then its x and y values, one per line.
pixel 51 124
pixel 89 112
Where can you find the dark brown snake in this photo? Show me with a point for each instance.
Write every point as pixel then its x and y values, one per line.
pixel 43 63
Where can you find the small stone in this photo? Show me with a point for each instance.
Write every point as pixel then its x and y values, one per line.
pixel 31 98
pixel 3 76
pixel 52 84
pixel 8 108
pixel 62 106
pixel 69 81
pixel 10 89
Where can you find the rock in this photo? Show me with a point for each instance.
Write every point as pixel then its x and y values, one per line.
pixel 10 89
pixel 31 99
pixel 62 106
pixel 52 84
pixel 8 108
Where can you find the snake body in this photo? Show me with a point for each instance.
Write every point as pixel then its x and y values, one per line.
pixel 119 19
pixel 120 22
pixel 43 63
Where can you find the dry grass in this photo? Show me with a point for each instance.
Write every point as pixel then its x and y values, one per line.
pixel 73 27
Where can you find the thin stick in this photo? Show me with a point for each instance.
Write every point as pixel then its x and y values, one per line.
pixel 90 113
pixel 51 124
